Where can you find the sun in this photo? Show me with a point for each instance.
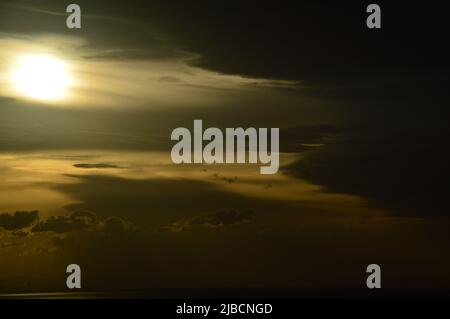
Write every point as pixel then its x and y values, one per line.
pixel 41 77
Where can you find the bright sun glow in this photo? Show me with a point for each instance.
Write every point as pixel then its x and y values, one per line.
pixel 41 77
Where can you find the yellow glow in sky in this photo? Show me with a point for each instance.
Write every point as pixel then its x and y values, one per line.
pixel 42 77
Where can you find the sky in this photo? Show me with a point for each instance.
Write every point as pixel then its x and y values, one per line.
pixel 88 178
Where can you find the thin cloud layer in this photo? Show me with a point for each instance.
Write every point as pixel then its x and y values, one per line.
pixel 96 165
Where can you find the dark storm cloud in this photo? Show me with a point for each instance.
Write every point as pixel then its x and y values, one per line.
pixel 214 220
pixel 407 176
pixel 308 40
pixel 96 165
pixel 18 220
pixel 323 42
pixel 311 41
pixel 392 150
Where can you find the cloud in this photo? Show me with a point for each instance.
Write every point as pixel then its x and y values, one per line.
pixel 171 79
pixel 80 220
pixel 20 219
pixel 83 221
pixel 214 220
pixel 96 165
pixel 116 226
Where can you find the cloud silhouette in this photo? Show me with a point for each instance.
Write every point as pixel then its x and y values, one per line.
pixel 80 220
pixel 20 219
pixel 83 221
pixel 214 220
